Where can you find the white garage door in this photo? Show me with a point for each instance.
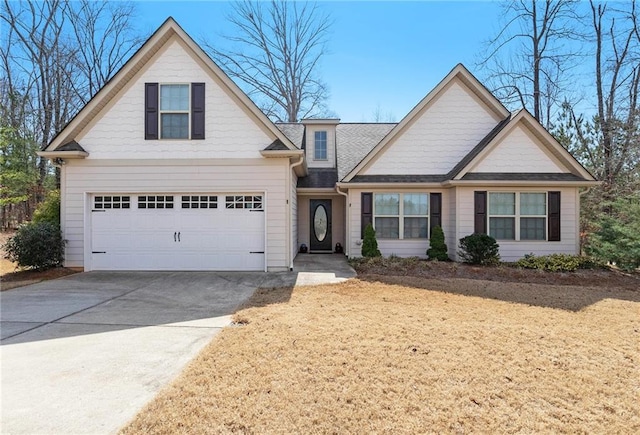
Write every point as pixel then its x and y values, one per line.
pixel 177 232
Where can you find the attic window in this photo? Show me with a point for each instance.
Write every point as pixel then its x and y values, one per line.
pixel 174 111
pixel 320 145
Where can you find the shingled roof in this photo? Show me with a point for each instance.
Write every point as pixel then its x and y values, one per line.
pixel 355 141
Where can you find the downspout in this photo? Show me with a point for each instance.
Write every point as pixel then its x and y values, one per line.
pixel 347 235
pixel 289 236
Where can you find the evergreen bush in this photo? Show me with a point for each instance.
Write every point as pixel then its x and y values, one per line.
pixel 479 249
pixel 369 243
pixel 437 247
pixel 36 246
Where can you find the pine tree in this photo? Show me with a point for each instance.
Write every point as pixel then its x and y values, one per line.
pixel 369 243
pixel 437 248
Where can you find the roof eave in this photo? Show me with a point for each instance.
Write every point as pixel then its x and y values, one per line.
pixel 370 185
pixel 509 183
pixel 63 154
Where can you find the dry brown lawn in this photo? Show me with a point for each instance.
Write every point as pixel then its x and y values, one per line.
pixel 415 355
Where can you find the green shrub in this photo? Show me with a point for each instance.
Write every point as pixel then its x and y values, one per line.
pixel 36 246
pixel 479 249
pixel 49 209
pixel 617 238
pixel 437 247
pixel 557 262
pixel 369 243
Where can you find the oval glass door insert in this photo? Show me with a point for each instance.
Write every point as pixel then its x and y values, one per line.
pixel 320 223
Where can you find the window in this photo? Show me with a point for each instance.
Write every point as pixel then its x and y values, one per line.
pixel 518 215
pixel 401 215
pixel 111 202
pixel 320 145
pixel 174 111
pixel 244 201
pixel 199 201
pixel 155 201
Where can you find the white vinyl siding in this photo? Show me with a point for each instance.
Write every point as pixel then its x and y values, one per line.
pixel 314 160
pixel 519 151
pixel 232 132
pixel 439 137
pixel 182 177
pixel 513 250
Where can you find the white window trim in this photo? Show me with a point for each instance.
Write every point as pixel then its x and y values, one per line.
pixel 162 112
pixel 401 215
pixel 517 216
pixel 326 146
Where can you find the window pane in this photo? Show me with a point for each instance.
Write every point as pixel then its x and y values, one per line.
pixel 387 203
pixel 502 203
pixel 387 228
pixel 320 145
pixel 502 228
pixel 533 204
pixel 415 228
pixel 174 97
pixel 533 229
pixel 175 126
pixel 416 204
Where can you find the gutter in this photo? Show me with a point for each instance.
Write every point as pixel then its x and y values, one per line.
pixel 347 205
pixel 289 187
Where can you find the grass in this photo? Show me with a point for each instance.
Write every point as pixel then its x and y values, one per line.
pixel 414 355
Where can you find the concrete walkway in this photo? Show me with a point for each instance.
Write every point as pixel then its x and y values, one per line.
pixel 315 269
pixel 84 353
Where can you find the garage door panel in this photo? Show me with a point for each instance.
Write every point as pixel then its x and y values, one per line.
pixel 179 232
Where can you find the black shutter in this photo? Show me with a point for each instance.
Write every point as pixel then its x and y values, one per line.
pixel 435 211
pixel 366 212
pixel 197 110
pixel 480 207
pixel 553 217
pixel 151 111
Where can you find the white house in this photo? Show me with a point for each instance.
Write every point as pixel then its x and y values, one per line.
pixel 172 167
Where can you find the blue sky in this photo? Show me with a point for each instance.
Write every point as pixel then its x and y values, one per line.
pixel 384 55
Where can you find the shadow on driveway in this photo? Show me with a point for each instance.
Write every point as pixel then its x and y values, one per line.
pixel 121 300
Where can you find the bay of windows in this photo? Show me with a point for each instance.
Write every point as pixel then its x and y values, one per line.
pixel 518 215
pixel 401 215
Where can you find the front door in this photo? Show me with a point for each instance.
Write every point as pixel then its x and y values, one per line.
pixel 320 225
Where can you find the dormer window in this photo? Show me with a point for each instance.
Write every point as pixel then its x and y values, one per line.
pixel 174 111
pixel 320 145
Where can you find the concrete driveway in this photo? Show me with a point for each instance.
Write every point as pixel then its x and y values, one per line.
pixel 83 354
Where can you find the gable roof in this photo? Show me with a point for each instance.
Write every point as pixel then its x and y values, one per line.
pixel 525 119
pixel 169 29
pixel 458 72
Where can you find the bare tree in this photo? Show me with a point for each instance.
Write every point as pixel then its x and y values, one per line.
pixel 609 142
pixel 38 60
pixel 528 61
pixel 54 55
pixel 276 55
pixel 104 39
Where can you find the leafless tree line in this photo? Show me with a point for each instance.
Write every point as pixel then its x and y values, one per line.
pixel 576 68
pixel 54 56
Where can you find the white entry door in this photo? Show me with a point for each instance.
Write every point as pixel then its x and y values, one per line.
pixel 177 232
